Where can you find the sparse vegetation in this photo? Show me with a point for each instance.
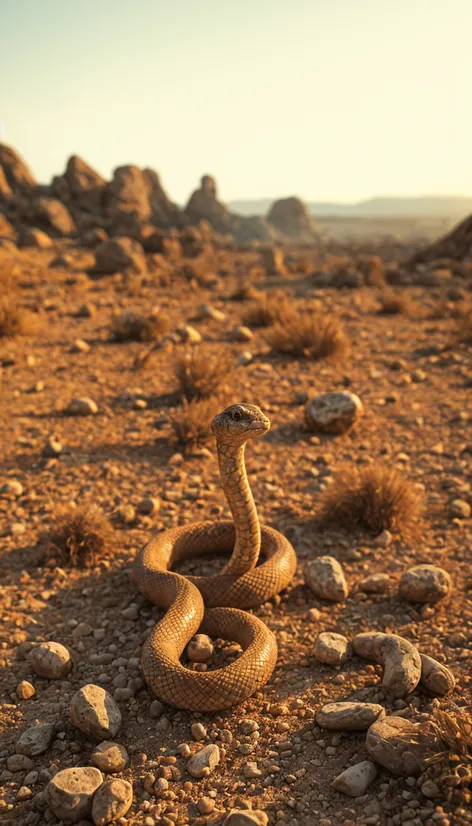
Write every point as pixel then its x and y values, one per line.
pixel 201 374
pixel 374 498
pixel 308 334
pixel 131 326
pixel 191 422
pixel 16 320
pixel 79 536
pixel 449 735
pixel 394 303
pixel 265 310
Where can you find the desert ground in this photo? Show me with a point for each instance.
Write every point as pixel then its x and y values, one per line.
pixel 135 452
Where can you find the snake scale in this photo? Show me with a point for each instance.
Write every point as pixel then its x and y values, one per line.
pixel 213 603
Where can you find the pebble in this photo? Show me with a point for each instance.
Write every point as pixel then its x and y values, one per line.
pixel 198 731
pixel 207 311
pixel 240 333
pixel 333 412
pixel 189 334
pixel 110 757
pixel 81 406
pixel 111 801
pixel 204 761
pixel 424 583
pixel 149 506
pixel 383 539
pixel 11 488
pixel 331 648
pixel 23 793
pixel 396 744
pixel 460 509
pixel 348 716
pixel 19 763
pixel 355 780
pixel 375 584
pixel 206 805
pixel 70 793
pixel 25 690
pixel 35 740
pixel 325 577
pixel 95 713
pixel 200 648
pixel 245 358
pixel 435 677
pixel 80 346
pixel 246 817
pixel 52 448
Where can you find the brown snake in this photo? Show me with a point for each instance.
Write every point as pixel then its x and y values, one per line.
pixel 191 601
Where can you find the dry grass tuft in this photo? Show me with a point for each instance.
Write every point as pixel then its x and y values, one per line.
pixel 265 310
pixel 309 334
pixel 131 326
pixel 201 374
pixel 392 303
pixel 449 737
pixel 16 320
pixel 191 423
pixel 373 498
pixel 79 536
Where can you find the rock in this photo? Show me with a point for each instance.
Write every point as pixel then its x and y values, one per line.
pixel 189 334
pixel 204 761
pixel 23 793
pixel 375 584
pixel 400 659
pixel 119 254
pixel 273 261
pixel 11 489
pixel 424 583
pixel 240 333
pixel 80 346
pixel 111 801
pixel 200 649
pixel 355 780
pixel 18 176
pixel 136 196
pixel 7 230
pixel 248 228
pixel 51 660
pixel 52 216
pixel 35 238
pixel 460 508
pixel 397 744
pixel 95 713
pixel 198 731
pixel 53 448
pixel 110 757
pixel 383 539
pixel 204 203
pixel 348 716
pixel 207 311
pixel 325 577
pixel 25 690
pixel 331 648
pixel 292 218
pixel 84 183
pixel 435 677
pixel 206 805
pixel 70 793
pixel 149 506
pixel 5 190
pixel 81 406
pixel 333 412
pixel 430 789
pixel 19 763
pixel 92 238
pixel 246 817
pixel 35 740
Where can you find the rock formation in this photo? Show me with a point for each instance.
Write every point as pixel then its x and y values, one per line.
pixel 291 217
pixel 137 194
pixel 80 185
pixel 204 204
pixel 456 245
pixel 15 171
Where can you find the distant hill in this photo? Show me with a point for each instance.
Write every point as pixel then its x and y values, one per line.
pixel 425 205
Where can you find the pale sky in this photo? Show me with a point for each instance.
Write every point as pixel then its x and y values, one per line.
pixel 324 99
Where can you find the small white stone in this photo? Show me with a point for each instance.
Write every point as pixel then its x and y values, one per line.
pixel 331 648
pixel 355 780
pixel 204 761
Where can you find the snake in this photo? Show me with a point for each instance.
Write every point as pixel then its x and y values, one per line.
pixel 262 563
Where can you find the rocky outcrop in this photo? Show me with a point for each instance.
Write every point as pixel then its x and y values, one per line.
pixel 51 215
pixel 254 228
pixel 455 246
pixel 204 204
pixel 17 174
pixel 136 196
pixel 80 184
pixel 291 217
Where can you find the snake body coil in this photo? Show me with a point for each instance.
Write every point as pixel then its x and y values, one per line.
pixel 212 603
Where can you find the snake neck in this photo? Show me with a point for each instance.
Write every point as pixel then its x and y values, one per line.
pixel 239 497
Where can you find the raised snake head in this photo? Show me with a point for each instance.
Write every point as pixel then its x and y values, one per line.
pixel 239 423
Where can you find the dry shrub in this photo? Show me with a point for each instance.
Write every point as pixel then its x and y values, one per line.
pixel 373 498
pixel 201 374
pixel 449 737
pixel 392 303
pixel 265 310
pixel 131 326
pixel 191 423
pixel 79 536
pixel 308 333
pixel 16 320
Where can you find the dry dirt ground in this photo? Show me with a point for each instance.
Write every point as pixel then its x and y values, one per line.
pixel 415 382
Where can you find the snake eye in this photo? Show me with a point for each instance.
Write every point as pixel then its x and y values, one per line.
pixel 237 415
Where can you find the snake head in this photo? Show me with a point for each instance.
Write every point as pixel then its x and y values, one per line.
pixel 240 422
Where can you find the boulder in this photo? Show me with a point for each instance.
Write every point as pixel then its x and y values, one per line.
pixel 6 229
pixel 83 181
pixel 291 217
pixel 111 801
pixel 18 176
pixel 334 412
pixel 119 254
pixel 5 189
pixel 35 238
pixel 53 216
pixel 273 261
pixel 70 793
pixel 246 230
pixel 397 744
pixel 138 193
pixel 204 204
